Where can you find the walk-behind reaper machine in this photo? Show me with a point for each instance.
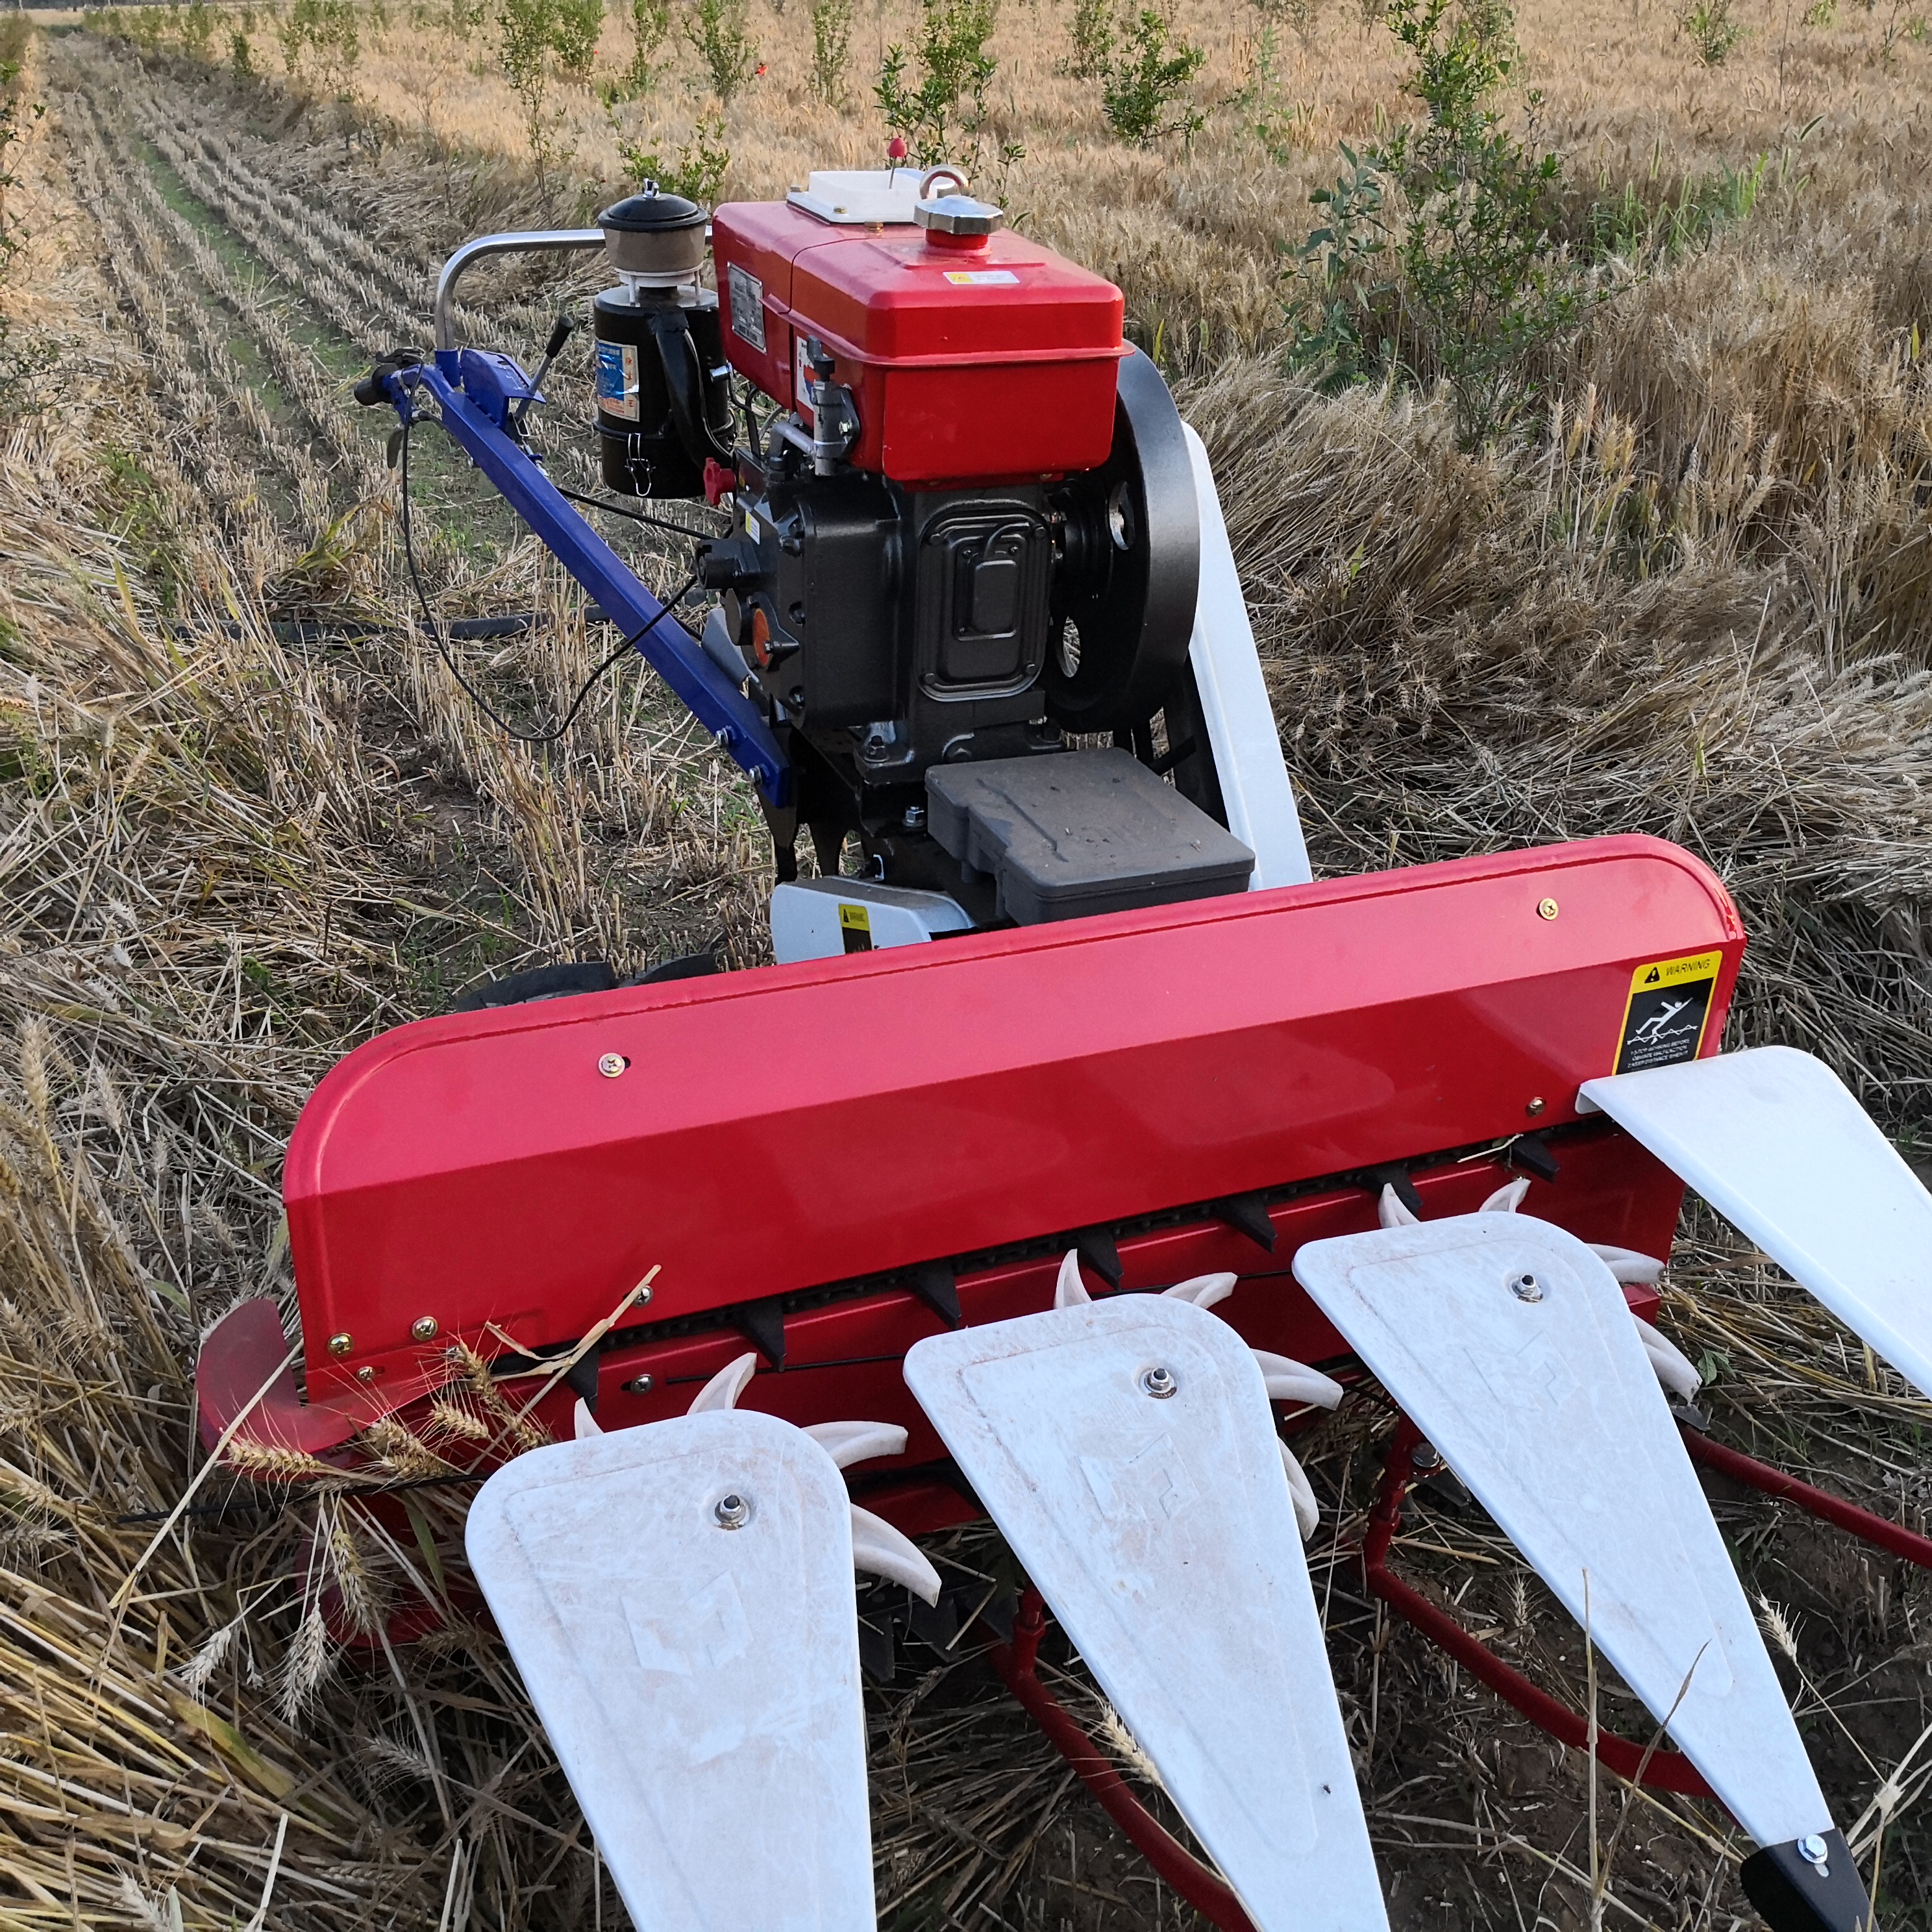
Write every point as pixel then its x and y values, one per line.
pixel 1077 1147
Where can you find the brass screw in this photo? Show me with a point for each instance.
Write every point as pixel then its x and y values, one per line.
pixel 611 1064
pixel 1545 908
pixel 365 1375
pixel 424 1328
pixel 341 1344
pixel 1536 1106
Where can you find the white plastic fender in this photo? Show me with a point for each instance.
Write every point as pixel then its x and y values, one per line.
pixel 1159 1528
pixel 1771 1138
pixel 1509 1345
pixel 1241 731
pixel 698 1682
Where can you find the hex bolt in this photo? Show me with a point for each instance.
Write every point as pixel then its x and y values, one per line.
pixel 915 817
pixel 1547 908
pixel 1813 1850
pixel 424 1328
pixel 733 1512
pixel 641 1384
pixel 611 1064
pixel 341 1344
pixel 1423 1456
pixel 1525 1287
pixel 1159 1383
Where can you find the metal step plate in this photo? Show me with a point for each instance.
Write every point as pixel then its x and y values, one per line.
pixel 679 1600
pixel 1154 1515
pixel 1509 1344
pixel 1772 1140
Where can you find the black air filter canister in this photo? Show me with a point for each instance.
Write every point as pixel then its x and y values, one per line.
pixel 663 400
pixel 661 409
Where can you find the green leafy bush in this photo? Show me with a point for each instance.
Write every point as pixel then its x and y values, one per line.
pixel 1441 254
pixel 698 173
pixel 1712 29
pixel 573 36
pixel 831 41
pixel 717 33
pixel 325 32
pixel 1093 39
pixel 1141 88
pixel 949 99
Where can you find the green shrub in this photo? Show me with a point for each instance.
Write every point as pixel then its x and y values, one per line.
pixel 716 31
pixel 697 173
pixel 831 41
pixel 241 60
pixel 1140 89
pixel 1440 257
pixel 197 29
pixel 650 22
pixel 1713 32
pixel 950 98
pixel 573 34
pixel 1093 39
pixel 525 30
pixel 1276 123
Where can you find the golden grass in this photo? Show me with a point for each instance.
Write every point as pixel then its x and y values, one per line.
pixel 1697 600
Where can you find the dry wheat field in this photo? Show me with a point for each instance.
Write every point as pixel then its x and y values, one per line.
pixel 247 818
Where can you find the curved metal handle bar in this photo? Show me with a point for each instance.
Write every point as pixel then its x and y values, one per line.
pixel 530 241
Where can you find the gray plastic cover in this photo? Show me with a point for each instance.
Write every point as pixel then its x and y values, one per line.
pixel 1069 833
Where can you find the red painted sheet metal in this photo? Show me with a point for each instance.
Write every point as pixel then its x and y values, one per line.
pixel 781 1129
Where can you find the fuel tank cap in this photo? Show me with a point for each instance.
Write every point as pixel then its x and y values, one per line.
pixel 958 214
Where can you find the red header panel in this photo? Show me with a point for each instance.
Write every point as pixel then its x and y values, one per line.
pixel 781 1128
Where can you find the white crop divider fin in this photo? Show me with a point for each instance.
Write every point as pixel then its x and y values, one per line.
pixel 1770 1137
pixel 679 1600
pixel 1242 735
pixel 1125 1449
pixel 1510 1345
pixel 678 1597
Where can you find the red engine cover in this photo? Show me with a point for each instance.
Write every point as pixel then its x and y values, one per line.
pixel 968 364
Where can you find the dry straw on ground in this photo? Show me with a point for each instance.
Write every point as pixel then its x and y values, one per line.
pixel 1696 601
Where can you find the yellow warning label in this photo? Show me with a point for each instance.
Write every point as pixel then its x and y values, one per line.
pixel 1665 1015
pixel 855 927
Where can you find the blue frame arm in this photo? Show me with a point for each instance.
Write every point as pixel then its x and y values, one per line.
pixel 473 414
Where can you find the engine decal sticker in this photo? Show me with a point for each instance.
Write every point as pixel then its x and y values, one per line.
pixel 855 927
pixel 617 379
pixel 746 296
pixel 1664 1018
pixel 979 278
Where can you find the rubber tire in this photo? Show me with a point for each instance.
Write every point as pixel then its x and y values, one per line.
pixel 539 983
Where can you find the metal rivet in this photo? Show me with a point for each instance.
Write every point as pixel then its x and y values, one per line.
pixel 1545 908
pixel 1536 1106
pixel 341 1344
pixel 424 1328
pixel 1813 1849
pixel 1525 1287
pixel 365 1375
pixel 611 1064
pixel 641 1384
pixel 733 1512
pixel 1159 1383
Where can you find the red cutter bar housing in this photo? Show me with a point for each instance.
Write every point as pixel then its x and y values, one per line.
pixel 750 1136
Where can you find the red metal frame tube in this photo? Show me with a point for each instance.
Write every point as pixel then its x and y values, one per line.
pixel 1867 1528
pixel 1666 1771
pixel 1015 1661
